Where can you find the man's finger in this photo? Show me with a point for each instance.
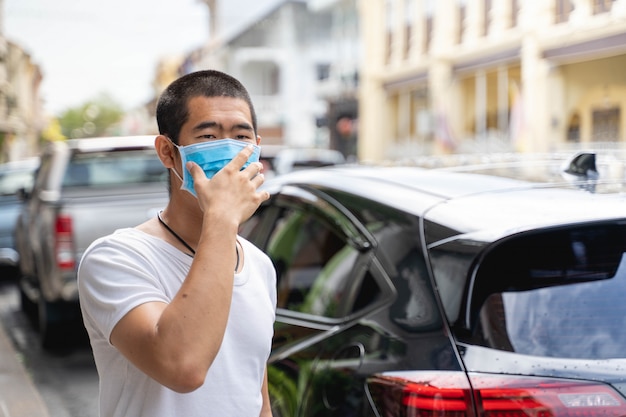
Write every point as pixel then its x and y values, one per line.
pixel 195 171
pixel 242 157
pixel 255 168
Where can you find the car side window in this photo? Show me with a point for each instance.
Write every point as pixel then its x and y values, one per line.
pixel 414 307
pixel 322 267
pixel 311 259
pixel 316 266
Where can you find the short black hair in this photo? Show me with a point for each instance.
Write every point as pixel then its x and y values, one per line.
pixel 172 111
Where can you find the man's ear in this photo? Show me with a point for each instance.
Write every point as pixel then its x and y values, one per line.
pixel 165 150
pixel 258 139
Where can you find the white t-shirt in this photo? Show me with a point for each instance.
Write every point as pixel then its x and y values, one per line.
pixel 129 268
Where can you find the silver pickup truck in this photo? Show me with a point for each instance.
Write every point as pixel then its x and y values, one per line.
pixel 84 189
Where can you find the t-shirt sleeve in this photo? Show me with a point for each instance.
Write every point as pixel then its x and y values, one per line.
pixel 114 278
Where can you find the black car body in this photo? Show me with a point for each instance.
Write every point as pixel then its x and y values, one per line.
pixel 413 292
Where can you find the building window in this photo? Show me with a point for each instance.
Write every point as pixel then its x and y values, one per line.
pixel 429 13
pixel 262 78
pixel 562 10
pixel 462 10
pixel 602 6
pixel 389 29
pixel 409 13
pixel 323 72
pixel 407 40
pixel 606 124
pixel 486 16
pixel 573 129
pixel 514 12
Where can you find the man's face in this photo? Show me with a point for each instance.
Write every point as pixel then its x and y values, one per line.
pixel 212 118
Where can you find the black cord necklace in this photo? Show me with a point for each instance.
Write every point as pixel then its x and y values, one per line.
pixel 181 240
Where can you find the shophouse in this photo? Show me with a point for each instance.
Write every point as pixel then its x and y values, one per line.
pixel 483 76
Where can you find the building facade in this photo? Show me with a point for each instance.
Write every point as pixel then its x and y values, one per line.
pixel 339 85
pixel 21 110
pixel 280 56
pixel 21 117
pixel 479 76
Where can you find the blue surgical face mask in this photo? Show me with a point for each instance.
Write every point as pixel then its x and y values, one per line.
pixel 211 156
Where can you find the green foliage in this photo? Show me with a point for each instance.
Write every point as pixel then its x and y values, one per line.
pixel 96 117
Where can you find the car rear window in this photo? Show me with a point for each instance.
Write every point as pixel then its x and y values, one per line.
pixel 104 169
pixel 558 293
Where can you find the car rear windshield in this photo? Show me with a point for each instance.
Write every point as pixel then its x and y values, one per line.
pixel 559 293
pixel 104 169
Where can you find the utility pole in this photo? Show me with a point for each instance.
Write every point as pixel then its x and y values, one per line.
pixel 213 17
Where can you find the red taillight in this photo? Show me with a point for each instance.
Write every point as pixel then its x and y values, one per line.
pixel 422 394
pixel 428 397
pixel 448 394
pixel 64 242
pixel 500 396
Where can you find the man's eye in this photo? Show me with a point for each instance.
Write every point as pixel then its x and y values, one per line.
pixel 208 136
pixel 242 137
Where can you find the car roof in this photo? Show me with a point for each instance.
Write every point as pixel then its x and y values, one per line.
pixel 112 143
pixel 469 203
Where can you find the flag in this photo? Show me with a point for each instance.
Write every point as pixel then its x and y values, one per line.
pixel 444 137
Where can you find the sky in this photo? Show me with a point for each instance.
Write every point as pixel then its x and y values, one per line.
pixel 87 47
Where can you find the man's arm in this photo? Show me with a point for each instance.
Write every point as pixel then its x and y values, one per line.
pixel 266 411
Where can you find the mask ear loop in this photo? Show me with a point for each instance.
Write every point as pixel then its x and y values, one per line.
pixel 176 174
pixel 173 169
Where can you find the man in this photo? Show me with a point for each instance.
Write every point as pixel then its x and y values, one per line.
pixel 180 309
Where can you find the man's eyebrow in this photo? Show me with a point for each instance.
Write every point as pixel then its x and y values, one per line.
pixel 243 126
pixel 211 124
pixel 205 125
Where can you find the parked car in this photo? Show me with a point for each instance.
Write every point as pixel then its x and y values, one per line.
pixel 294 159
pixel 84 189
pixel 268 157
pixel 422 292
pixel 15 177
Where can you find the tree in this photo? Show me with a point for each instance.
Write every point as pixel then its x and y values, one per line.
pixel 96 117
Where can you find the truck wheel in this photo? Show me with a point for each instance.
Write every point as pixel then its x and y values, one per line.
pixel 52 332
pixel 28 307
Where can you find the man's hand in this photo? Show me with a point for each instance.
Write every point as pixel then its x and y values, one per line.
pixel 232 192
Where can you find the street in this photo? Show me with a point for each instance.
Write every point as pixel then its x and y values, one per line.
pixel 67 381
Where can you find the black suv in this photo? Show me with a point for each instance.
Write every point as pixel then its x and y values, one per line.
pixel 424 292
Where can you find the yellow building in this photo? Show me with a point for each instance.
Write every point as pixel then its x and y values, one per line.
pixel 478 76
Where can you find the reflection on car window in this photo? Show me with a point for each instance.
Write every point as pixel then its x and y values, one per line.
pixel 117 168
pixel 314 265
pixel 567 303
pixel 397 236
pixel 414 308
pixel 582 321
